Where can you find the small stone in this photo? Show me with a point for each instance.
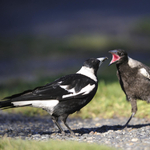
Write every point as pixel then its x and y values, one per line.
pixel 92 132
pixel 98 124
pixel 89 138
pixel 134 139
pixel 77 134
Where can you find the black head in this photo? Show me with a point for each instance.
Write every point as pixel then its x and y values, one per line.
pixel 118 56
pixel 94 63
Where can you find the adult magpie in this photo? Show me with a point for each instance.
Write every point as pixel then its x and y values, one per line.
pixel 134 78
pixel 62 97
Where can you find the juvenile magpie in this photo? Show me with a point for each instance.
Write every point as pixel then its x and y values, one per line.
pixel 62 97
pixel 134 78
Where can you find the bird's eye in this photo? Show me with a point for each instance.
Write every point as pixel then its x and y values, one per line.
pixel 121 54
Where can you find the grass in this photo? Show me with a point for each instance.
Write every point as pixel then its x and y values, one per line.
pixel 94 109
pixel 10 144
pixel 25 46
pixel 108 102
pixel 30 45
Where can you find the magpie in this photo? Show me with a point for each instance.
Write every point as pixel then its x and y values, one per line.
pixel 134 78
pixel 62 97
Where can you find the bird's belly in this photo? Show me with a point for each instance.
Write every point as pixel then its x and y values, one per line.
pixel 69 107
pixel 138 92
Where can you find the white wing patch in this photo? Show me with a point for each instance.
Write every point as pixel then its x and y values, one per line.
pixel 45 104
pixel 87 89
pixel 144 73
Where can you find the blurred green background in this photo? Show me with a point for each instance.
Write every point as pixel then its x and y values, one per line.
pixel 43 40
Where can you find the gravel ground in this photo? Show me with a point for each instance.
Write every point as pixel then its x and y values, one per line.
pixel 100 131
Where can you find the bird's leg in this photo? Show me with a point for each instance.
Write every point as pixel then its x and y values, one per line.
pixel 63 119
pixel 134 110
pixel 124 126
pixel 55 120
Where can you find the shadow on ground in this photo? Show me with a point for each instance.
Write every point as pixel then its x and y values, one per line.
pixel 103 129
pixel 15 124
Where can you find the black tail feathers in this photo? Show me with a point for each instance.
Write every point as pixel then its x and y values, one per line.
pixel 6 104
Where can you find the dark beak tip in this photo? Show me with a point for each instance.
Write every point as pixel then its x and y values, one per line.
pixel 105 59
pixel 111 51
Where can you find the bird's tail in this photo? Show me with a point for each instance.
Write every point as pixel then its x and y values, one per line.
pixel 9 102
pixel 6 104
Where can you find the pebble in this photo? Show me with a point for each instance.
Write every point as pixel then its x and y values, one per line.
pixel 101 131
pixel 134 139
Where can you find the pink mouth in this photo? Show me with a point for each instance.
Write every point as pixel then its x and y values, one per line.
pixel 114 58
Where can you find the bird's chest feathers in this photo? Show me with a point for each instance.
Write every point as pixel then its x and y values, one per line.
pixel 126 76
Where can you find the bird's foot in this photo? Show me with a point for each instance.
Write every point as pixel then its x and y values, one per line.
pixel 63 133
pixel 72 134
pixel 124 127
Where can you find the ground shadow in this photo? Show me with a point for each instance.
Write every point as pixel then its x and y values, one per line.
pixel 106 128
pixel 102 129
pixel 24 121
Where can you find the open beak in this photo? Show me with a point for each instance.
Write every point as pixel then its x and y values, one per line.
pixel 115 57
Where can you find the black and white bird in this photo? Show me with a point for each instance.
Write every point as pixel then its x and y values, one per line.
pixel 62 97
pixel 134 78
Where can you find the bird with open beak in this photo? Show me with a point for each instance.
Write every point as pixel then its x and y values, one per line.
pixel 134 78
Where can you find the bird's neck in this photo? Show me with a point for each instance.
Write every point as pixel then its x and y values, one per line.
pixel 125 70
pixel 89 72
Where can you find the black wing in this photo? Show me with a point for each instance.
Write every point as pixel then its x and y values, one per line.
pixel 70 86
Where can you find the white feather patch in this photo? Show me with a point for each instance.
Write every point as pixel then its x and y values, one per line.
pixel 87 89
pixel 45 104
pixel 89 72
pixel 133 63
pixel 144 73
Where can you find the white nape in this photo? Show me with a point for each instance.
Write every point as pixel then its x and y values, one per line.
pixel 89 72
pixel 133 63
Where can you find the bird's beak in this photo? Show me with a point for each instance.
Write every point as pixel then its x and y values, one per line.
pixel 115 57
pixel 102 59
